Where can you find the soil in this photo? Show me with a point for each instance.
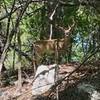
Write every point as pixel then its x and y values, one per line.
pixel 11 92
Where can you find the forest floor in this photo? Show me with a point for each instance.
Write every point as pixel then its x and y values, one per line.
pixel 85 74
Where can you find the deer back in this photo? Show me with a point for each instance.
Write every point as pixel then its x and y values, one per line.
pixel 51 46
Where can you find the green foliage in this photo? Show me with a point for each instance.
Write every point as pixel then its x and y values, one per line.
pixel 36 24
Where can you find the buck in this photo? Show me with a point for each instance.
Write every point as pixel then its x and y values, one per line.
pixel 53 46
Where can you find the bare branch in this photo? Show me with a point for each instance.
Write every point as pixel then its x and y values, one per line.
pixel 14 30
pixel 9 18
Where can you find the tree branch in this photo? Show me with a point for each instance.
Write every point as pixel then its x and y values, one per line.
pixel 14 30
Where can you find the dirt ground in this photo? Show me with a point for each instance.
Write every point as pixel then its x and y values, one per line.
pixel 11 92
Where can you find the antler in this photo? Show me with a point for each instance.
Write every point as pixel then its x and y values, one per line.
pixel 67 30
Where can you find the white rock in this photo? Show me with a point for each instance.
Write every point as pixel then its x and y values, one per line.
pixel 94 94
pixel 44 79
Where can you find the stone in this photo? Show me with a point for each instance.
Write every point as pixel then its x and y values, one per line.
pixel 44 79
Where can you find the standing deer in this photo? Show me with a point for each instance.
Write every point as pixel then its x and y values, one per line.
pixel 61 45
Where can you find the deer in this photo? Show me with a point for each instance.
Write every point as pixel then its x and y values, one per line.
pixel 53 45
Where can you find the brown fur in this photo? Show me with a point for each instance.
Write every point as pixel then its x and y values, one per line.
pixel 54 45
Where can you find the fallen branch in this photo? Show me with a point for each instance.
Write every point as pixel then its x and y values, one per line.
pixel 84 61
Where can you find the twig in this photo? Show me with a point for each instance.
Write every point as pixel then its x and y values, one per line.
pixel 26 75
pixel 51 18
pixel 84 61
pixel 14 30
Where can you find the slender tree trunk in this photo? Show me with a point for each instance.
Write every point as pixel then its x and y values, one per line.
pixel 11 34
pixel 19 60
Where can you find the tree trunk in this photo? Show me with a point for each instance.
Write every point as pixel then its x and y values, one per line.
pixel 19 60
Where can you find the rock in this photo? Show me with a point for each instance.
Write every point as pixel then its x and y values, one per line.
pixel 44 79
pixel 94 94
pixel 1 93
